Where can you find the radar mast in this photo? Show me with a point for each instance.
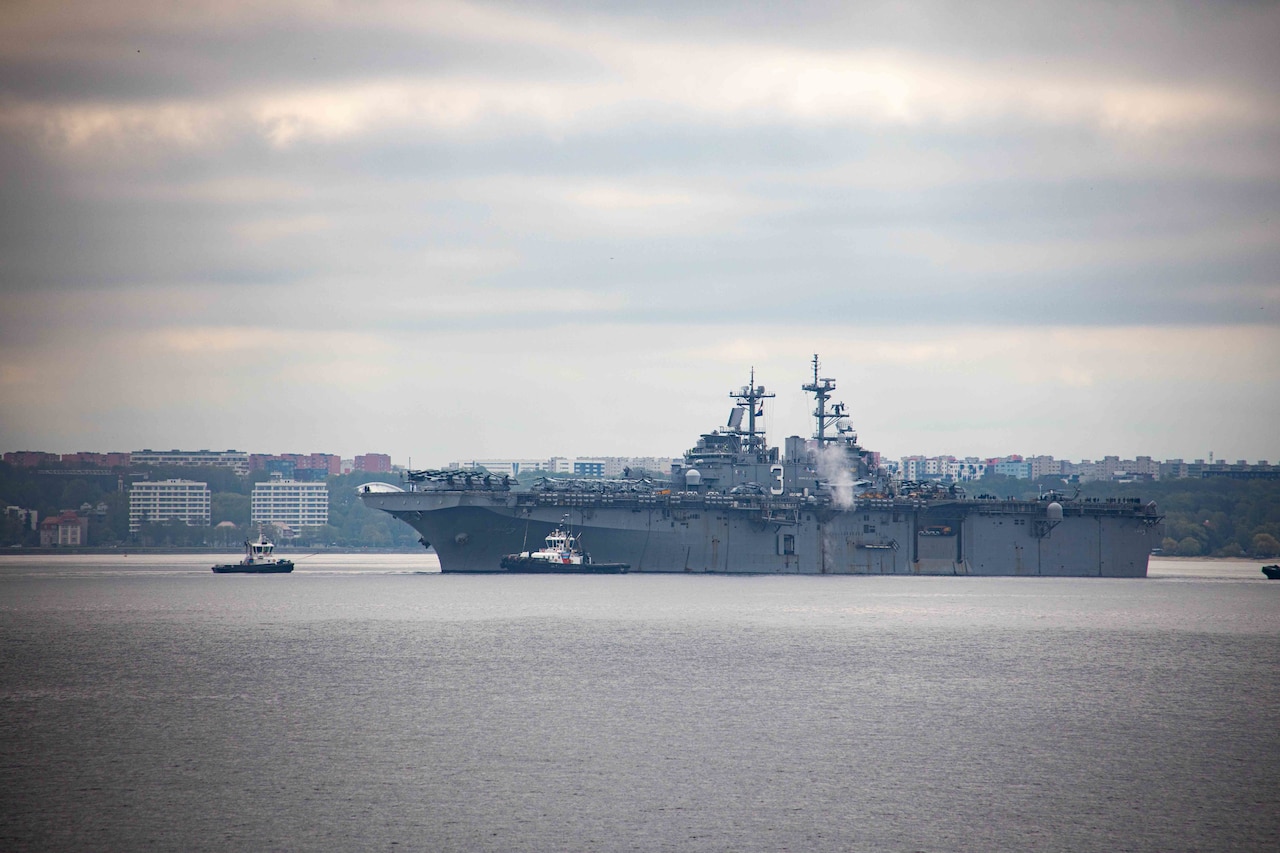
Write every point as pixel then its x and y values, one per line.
pixel 822 388
pixel 751 397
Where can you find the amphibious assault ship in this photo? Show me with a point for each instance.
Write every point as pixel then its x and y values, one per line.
pixel 737 505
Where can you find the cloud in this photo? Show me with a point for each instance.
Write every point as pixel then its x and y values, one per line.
pixel 434 210
pixel 619 74
pixel 1076 392
pixel 741 86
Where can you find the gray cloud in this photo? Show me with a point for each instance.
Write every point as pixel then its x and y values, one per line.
pixel 708 172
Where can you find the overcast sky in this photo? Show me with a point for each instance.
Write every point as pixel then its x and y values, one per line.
pixel 457 230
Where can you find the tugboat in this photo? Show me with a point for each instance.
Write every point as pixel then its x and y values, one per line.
pixel 1272 571
pixel 560 556
pixel 258 560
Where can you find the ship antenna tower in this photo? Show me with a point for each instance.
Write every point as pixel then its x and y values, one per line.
pixel 752 396
pixel 822 388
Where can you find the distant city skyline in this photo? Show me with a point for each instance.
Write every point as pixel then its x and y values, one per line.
pixel 244 461
pixel 452 228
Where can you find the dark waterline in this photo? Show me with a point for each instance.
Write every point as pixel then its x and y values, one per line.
pixel 156 705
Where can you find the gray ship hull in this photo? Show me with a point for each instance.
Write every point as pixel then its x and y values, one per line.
pixel 472 530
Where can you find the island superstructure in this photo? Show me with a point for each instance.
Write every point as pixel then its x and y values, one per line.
pixel 737 505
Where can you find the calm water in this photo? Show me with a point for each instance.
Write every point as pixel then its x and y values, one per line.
pixel 360 704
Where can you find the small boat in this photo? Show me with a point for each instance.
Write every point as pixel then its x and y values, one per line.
pixel 560 556
pixel 258 560
pixel 1272 571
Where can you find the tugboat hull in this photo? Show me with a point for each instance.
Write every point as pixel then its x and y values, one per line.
pixel 527 566
pixel 283 567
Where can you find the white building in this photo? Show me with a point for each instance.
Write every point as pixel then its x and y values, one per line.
pixel 26 517
pixel 510 467
pixel 617 466
pixel 560 464
pixel 1043 466
pixel 184 500
pixel 1019 469
pixel 583 466
pixel 233 459
pixel 290 503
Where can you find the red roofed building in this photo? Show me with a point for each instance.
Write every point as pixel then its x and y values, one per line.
pixel 67 529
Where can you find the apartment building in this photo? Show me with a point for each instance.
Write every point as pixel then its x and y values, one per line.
pixel 234 459
pixel 375 463
pixel 184 500
pixel 290 503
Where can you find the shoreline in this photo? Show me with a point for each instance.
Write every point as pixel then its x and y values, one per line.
pixel 109 550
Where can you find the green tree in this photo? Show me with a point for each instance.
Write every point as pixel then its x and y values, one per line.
pixel 1190 547
pixel 78 492
pixel 102 533
pixel 11 530
pixel 230 506
pixel 227 537
pixel 1266 545
pixel 375 536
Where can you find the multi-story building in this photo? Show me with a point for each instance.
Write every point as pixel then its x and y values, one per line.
pixel 1044 466
pixel 67 528
pixel 314 466
pixel 282 469
pixel 290 503
pixel 302 466
pixel 28 518
pixel 182 500
pixel 617 466
pixel 581 466
pixel 1014 467
pixel 233 459
pixel 1240 470
pixel 965 470
pixel 509 467
pixel 912 468
pixel 88 459
pixel 31 458
pixel 559 465
pixel 917 468
pixel 1112 468
pixel 1142 468
pixel 376 463
pixel 588 467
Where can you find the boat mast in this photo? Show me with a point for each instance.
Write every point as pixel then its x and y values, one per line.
pixel 751 396
pixel 822 388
